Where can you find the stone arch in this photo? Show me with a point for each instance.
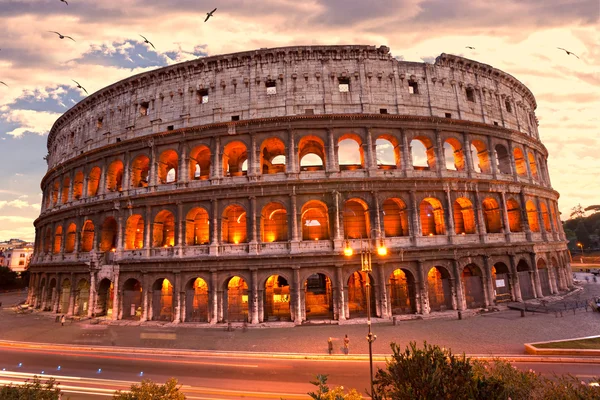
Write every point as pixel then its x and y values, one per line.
pixel 55 190
pixel 163 304
pixel 464 216
pixel 473 286
pixel 200 162
pixel 525 280
pixel 277 298
pixel 532 165
pixel 197 300
pixel 318 296
pixel 454 155
pixel 532 216
pixel 168 167
pixel 544 275
pixel 104 299
pixel 492 215
pixel 65 190
pixel 197 226
pixel 356 219
pixel 274 223
pixel 70 238
pixel 48 240
pixel 559 276
pixel 65 296
pixel 514 215
pixel 87 236
pixel 439 289
pixel 520 163
pixel 272 156
pixel 163 229
pixel 234 225
pixel 50 294
pixel 82 296
pixel 387 152
pixel 402 292
pixel 350 152
pixel 311 153
pixel 93 181
pixel 140 171
pixel 132 305
pixel 235 154
pixel 480 157
pixel 315 221
pixel 78 185
pixel 114 176
pixel 545 216
pixel 431 213
pixel 134 232
pixel 500 275
pixel 503 159
pixel 357 294
pixel 108 235
pixel 58 239
pixel 235 299
pixel 395 218
pixel 423 153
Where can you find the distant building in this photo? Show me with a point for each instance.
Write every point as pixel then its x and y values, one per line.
pixel 17 259
pixel 2 259
pixel 11 244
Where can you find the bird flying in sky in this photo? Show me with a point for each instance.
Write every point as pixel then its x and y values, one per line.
pixel 147 41
pixel 62 36
pixel 79 86
pixel 568 52
pixel 209 14
pixel 64 1
pixel 470 47
pixel 4 83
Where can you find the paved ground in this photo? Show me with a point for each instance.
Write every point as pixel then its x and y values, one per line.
pixel 502 332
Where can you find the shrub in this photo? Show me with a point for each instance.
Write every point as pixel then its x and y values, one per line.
pixel 148 390
pixel 32 390
pixel 325 393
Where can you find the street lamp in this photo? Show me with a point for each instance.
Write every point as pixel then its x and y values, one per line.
pixel 366 266
pixel 580 245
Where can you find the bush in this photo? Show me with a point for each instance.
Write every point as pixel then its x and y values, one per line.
pixel 325 393
pixel 148 390
pixel 32 390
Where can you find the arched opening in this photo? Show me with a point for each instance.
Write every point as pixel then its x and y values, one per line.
pixel 318 297
pixel 501 282
pixel 82 296
pixel 48 240
pixel 558 274
pixel 71 238
pixel 163 230
pixel 520 163
pixel 525 281
pixel 492 215
pixel 114 176
pixel 132 305
pixel 554 220
pixel 65 190
pixel 545 217
pixel 55 188
pixel 196 301
pixel 87 236
pixel 93 181
pixel 395 218
pixel 432 217
pixel 544 275
pixel 274 223
pixel 480 157
pixel 402 292
pixel 104 302
pixel 233 225
pixel 311 154
pixel 65 295
pixel 453 154
pixel 423 154
pixel 315 221
pixel 438 285
pixel 197 227
pixel 472 281
pixel 356 219
pixel 162 300
pixel 277 299
pixel 464 217
pixel 387 152
pixel 108 238
pixel 50 293
pixel 503 159
pixel 235 154
pixel 514 215
pixel 134 232
pixel 78 185
pixel 350 153
pixel 357 294
pixel 200 158
pixel 272 156
pixel 168 171
pixel 532 165
pixel 236 300
pixel 58 239
pixel 140 169
pixel 532 216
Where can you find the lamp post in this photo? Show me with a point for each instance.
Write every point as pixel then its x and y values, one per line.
pixel 366 266
pixel 580 245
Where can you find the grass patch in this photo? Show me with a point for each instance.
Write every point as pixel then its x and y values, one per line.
pixel 591 344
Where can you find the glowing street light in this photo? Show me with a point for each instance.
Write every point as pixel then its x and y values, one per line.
pixel 580 245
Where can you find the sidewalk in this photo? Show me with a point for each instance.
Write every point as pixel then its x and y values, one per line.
pixel 503 332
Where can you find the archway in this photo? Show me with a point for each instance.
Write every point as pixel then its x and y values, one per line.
pixel 272 156
pixel 480 157
pixel 114 176
pixel 235 154
pixel 558 274
pixel 49 300
pixel 356 219
pixel 104 302
pixel 134 232
pixel 236 300
pixel 311 154
pixel 503 159
pixel 58 239
pixel 197 227
pixel 233 225
pixel 132 300
pixel 491 215
pixel 387 152
pixel 277 299
pixel 140 169
pixel 78 185
pixel 402 292
pixel 514 215
pixel 274 223
pixel 93 181
pixel 520 163
pixel 65 190
pixel 544 275
pixel 82 297
pixel 168 163
pixel 87 236
pixel 65 294
pixel 464 217
pixel 357 294
pixel 350 153
pixel 108 235
pixel 196 301
pixel 163 231
pixel 472 281
pixel 318 297
pixel 423 154
pixel 162 300
pixel 532 216
pixel 525 282
pixel 453 154
pixel 71 238
pixel 315 221
pixel 438 285
pixel 55 190
pixel 545 216
pixel 200 159
pixel 395 218
pixel 501 282
pixel 532 165
pixel 431 212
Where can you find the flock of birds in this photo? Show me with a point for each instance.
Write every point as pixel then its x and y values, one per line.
pixel 208 15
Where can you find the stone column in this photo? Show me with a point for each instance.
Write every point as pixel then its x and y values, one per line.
pixel 331 166
pixel 378 226
pixel 177 291
pixel 405 154
pixel 148 227
pixel 253 162
pixel 451 229
pixel 214 242
pixel 515 279
pixel 341 300
pixel 179 230
pixel 468 154
pixel 338 230
pixel 513 165
pixel 71 178
pixel 492 157
pixel 92 295
pixel 120 230
pixel 254 293
pixel 384 296
pixel 439 153
pixel 536 275
pixel 214 310
pixel 71 307
pixel 292 165
pixel 479 215
pixel 524 217
pixel 102 181
pixel 84 195
pixel 371 155
pixel 184 175
pixel 298 295
pixel 415 220
pixel 541 221
pixel 294 217
pixel 153 164
pixel 488 283
pixel 422 287
pixel 505 216
pixel 117 307
pixel 527 166
pixel 460 293
pixel 126 183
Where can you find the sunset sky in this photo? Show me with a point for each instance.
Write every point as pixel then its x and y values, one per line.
pixel 519 37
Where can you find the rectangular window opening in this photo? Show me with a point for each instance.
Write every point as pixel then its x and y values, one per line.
pixel 98 125
pixel 170 127
pixel 413 87
pixel 448 115
pixel 203 96
pixel 235 117
pixel 470 94
pixel 344 85
pixel 383 111
pixel 496 123
pixel 508 106
pixel 144 108
pixel 309 111
pixel 271 87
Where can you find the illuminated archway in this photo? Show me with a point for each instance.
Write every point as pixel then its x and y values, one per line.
pixel 140 169
pixel 70 238
pixel 423 153
pixel 78 185
pixel 235 154
pixel 134 232
pixel 162 300
pixel 108 235
pixel 492 215
pixel 520 163
pixel 402 292
pixel 58 239
pixel 65 190
pixel 315 221
pixel 311 154
pixel 318 297
pixel 356 219
pixel 197 301
pixel 453 154
pixel 93 181
pixel 236 299
pixel 114 176
pixel 464 216
pixel 480 157
pixel 277 299
pixel 200 161
pixel 387 152
pixel 168 167
pixel 272 156
pixel 440 294
pixel 233 225
pixel 514 215
pixel 87 236
pixel 357 294
pixel 432 217
pixel 274 223
pixel 197 227
pixel 350 152
pixel 163 230
pixel 395 218
pixel 532 216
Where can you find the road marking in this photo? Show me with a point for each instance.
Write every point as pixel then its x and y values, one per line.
pixel 163 336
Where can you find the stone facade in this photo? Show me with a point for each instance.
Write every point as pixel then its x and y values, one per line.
pixel 220 190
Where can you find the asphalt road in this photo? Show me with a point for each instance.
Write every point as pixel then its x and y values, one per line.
pixel 86 375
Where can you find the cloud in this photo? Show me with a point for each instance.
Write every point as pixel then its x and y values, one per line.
pixel 28 121
pixel 17 204
pixel 126 54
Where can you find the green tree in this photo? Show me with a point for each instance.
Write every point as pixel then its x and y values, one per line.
pixel 577 212
pixel 148 390
pixel 325 393
pixel 32 390
pixel 8 278
pixel 583 236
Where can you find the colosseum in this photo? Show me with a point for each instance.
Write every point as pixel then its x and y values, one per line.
pixel 279 184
